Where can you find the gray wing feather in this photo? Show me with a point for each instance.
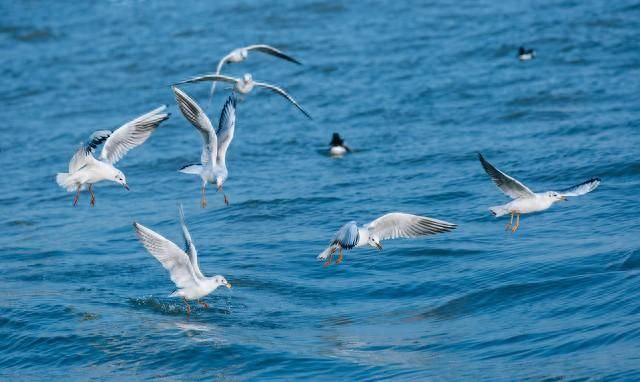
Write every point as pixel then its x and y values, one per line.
pixel 196 116
pixel 85 153
pixel 226 128
pixel 347 236
pixel 273 51
pixel 397 224
pixel 190 248
pixel 132 134
pixel 208 77
pixel 582 188
pixel 284 94
pixel 172 258
pixel 510 186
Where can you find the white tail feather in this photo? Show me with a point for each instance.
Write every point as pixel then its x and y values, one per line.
pixel 498 210
pixel 330 249
pixel 63 181
pixel 192 169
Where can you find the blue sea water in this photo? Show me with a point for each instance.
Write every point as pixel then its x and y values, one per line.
pixel 416 88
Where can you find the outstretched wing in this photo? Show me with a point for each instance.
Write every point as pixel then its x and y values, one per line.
pixel 172 258
pixel 85 153
pixel 208 77
pixel 582 188
pixel 273 51
pixel 190 248
pixel 132 134
pixel 194 114
pixel 510 186
pixel 226 128
pixel 347 236
pixel 397 224
pixel 284 94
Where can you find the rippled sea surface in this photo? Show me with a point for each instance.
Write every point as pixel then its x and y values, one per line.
pixel 416 89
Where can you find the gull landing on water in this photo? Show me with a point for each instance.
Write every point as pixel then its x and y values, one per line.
pixel 241 54
pixel 182 265
pixel 526 201
pixel 389 226
pixel 244 85
pixel 213 166
pixel 84 169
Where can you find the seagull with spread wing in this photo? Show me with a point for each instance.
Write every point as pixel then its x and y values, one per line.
pixel 86 170
pixel 244 85
pixel 213 166
pixel 390 226
pixel 241 54
pixel 526 201
pixel 182 265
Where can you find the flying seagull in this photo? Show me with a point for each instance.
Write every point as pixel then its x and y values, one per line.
pixel 84 169
pixel 241 54
pixel 244 85
pixel 389 226
pixel 182 265
pixel 213 166
pixel 526 201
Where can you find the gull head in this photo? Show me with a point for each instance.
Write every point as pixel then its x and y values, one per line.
pixel 244 53
pixel 247 77
pixel 220 181
pixel 220 280
pixel 374 241
pixel 121 179
pixel 554 196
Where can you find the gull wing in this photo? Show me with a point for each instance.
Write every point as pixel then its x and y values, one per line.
pixel 268 49
pixel 172 258
pixel 284 94
pixel 85 153
pixel 347 236
pixel 218 69
pixel 398 224
pixel 510 186
pixel 226 128
pixel 190 248
pixel 208 77
pixel 194 114
pixel 132 134
pixel 582 188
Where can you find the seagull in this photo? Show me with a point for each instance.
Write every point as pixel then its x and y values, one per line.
pixel 84 169
pixel 526 201
pixel 243 86
pixel 338 148
pixel 241 54
pixel 182 265
pixel 213 166
pixel 389 226
pixel 526 54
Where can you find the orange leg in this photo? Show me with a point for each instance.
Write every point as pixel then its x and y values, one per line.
pixel 75 200
pixel 328 262
pixel 203 304
pixel 510 224
pixel 188 307
pixel 515 228
pixel 226 201
pixel 339 256
pixel 93 197
pixel 203 200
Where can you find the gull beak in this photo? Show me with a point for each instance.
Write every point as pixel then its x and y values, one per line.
pixel 379 246
pixel 126 187
pixel 563 198
pixel 228 285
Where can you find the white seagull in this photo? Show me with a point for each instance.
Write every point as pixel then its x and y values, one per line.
pixel 244 85
pixel 84 169
pixel 213 166
pixel 182 266
pixel 389 226
pixel 526 201
pixel 241 54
